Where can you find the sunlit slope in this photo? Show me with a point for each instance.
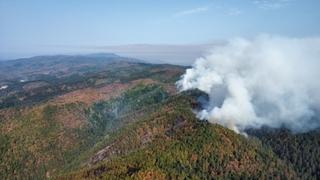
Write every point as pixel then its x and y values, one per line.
pixel 125 121
pixel 42 138
pixel 172 143
pixel 40 141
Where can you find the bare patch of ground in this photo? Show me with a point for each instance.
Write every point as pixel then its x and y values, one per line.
pixel 34 85
pixel 88 96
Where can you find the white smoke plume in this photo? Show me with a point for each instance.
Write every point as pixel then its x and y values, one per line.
pixel 266 81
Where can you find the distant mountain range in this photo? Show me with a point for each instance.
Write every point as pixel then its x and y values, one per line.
pixel 55 64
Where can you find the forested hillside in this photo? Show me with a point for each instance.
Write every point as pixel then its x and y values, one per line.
pixel 125 119
pixel 172 143
pixel 301 150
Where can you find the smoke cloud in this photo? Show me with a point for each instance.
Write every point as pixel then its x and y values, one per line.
pixel 265 81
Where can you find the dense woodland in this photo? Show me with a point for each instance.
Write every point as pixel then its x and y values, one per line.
pixel 126 120
pixel 302 150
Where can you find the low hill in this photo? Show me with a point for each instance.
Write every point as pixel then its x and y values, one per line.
pixel 32 80
pixel 57 65
pixel 172 144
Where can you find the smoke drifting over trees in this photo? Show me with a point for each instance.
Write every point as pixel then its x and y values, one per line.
pixel 271 81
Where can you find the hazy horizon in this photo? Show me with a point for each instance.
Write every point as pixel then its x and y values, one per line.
pixel 167 31
pixel 152 53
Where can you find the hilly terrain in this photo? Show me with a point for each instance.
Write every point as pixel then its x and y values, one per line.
pixel 111 117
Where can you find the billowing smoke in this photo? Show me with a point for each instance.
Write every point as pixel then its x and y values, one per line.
pixel 266 81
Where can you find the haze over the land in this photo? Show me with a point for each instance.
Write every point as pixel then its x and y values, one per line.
pixel 230 71
pixel 171 32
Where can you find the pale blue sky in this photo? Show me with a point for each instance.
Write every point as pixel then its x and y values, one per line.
pixel 30 27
